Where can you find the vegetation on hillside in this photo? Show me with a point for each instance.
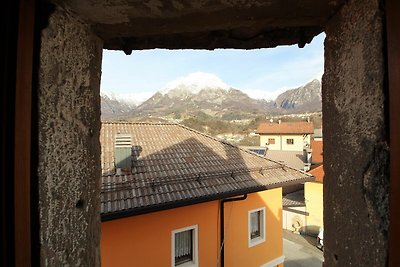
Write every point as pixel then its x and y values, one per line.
pixel 238 131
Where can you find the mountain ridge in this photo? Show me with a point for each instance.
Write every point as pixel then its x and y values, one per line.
pixel 220 101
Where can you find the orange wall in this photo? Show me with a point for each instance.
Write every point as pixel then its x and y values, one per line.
pixel 145 240
pixel 237 251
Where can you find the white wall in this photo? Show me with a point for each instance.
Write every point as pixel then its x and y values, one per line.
pixel 264 141
pixel 281 142
pixel 290 217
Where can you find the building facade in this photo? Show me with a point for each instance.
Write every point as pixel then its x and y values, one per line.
pixel 183 198
pixel 285 136
pixel 149 239
pixel 314 200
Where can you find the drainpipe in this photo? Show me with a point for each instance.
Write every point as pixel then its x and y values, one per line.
pixel 222 226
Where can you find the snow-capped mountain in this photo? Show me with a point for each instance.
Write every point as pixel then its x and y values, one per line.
pixel 193 84
pixel 207 93
pixel 201 92
pixel 114 107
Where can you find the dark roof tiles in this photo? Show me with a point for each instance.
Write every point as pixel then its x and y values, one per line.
pixel 179 166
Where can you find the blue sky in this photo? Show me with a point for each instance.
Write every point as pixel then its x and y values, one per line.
pixel 258 72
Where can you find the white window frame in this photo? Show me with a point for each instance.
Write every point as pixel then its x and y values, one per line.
pixel 195 261
pixel 258 240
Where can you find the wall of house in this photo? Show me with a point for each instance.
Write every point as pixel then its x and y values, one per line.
pixel 145 240
pixel 280 142
pixel 354 95
pixel 264 140
pixel 313 194
pixel 290 217
pixel 298 144
pixel 69 147
pixel 237 250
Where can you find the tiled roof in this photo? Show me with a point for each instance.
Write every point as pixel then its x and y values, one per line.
pixel 300 127
pixel 178 166
pixel 317 151
pixel 260 150
pixel 295 199
pixel 318 173
pixel 294 159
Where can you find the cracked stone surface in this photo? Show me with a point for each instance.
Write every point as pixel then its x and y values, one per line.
pixel 356 154
pixel 69 147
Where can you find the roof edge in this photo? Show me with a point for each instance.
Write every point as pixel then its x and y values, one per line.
pixel 177 204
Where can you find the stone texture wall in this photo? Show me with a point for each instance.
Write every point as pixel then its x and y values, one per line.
pixel 355 137
pixel 69 147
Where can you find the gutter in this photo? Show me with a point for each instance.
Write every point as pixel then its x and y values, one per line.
pixel 222 226
pixel 176 204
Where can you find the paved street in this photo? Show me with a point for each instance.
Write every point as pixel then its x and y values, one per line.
pixel 301 251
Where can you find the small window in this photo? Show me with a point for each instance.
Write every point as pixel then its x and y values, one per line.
pixel 256 226
pixel 123 151
pixel 271 141
pixel 184 247
pixel 290 141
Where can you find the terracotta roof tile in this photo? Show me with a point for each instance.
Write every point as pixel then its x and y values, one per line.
pixel 318 173
pixel 317 151
pixel 179 166
pixel 300 127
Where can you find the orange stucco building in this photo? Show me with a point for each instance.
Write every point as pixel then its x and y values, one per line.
pixel 225 210
pixel 145 240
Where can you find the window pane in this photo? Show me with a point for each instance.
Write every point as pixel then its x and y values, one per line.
pixel 255 224
pixel 183 247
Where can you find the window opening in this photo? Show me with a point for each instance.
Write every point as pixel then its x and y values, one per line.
pixel 256 226
pixel 232 110
pixel 271 141
pixel 184 247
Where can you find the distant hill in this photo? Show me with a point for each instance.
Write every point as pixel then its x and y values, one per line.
pixel 301 99
pixel 207 94
pixel 113 108
pixel 229 104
